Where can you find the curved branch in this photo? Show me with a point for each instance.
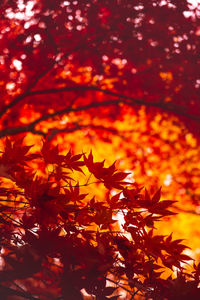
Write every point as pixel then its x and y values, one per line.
pixel 55 131
pixel 12 292
pixel 56 61
pixel 80 127
pixel 170 107
pixel 31 127
pixel 122 99
pixel 185 211
pixel 41 75
pixel 20 129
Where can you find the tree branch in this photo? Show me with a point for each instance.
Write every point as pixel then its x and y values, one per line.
pixel 13 292
pixel 122 99
pixel 41 75
pixel 45 72
pixel 170 107
pixel 31 127
pixel 55 131
pixel 191 211
pixel 80 127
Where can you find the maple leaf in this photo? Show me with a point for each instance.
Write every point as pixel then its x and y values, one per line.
pixel 51 154
pixel 154 205
pixel 4 171
pixel 115 201
pixel 73 162
pixel 59 174
pixel 95 168
pixel 115 180
pixel 132 196
pixel 109 176
pixel 196 272
pixel 153 244
pixel 15 153
pixel 73 194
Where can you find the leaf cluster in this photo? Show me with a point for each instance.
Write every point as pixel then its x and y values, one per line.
pixel 58 241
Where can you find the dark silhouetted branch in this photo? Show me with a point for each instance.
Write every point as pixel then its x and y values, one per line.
pixel 169 107
pixel 11 292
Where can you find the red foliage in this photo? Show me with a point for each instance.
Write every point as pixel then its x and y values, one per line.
pixel 70 66
pixel 120 39
pixel 46 233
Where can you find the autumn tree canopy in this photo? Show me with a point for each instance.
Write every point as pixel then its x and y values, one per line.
pixel 60 243
pixel 83 82
pixel 144 53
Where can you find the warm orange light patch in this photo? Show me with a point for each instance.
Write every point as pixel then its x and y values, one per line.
pixel 166 76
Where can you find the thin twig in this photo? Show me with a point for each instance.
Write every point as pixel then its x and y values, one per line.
pixel 13 292
pixel 119 285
